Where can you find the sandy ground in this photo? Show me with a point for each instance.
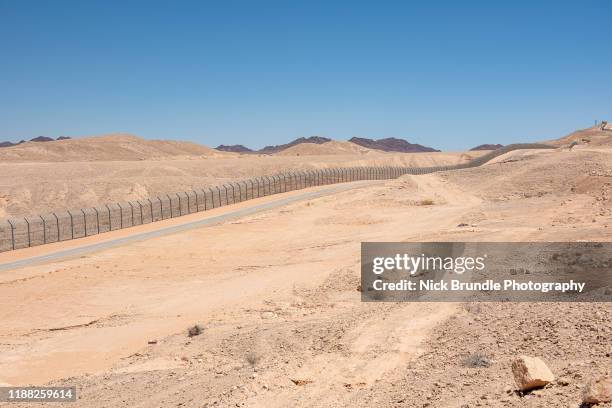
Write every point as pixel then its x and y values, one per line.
pixel 33 187
pixel 276 294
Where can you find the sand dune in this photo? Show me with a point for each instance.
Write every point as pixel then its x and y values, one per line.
pixel 111 147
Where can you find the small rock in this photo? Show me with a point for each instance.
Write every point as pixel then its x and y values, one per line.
pixel 598 390
pixel 463 224
pixel 563 381
pixel 152 341
pixel 530 373
pixel 268 315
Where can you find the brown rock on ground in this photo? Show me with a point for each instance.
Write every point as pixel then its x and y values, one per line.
pixel 530 373
pixel 598 390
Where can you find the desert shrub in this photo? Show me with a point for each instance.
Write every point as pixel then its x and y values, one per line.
pixel 195 330
pixel 253 358
pixel 476 360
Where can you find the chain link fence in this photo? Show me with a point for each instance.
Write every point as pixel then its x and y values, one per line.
pixel 58 226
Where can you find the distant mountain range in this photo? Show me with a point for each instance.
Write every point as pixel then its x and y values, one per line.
pixel 278 148
pixel 36 139
pixel 487 147
pixel 390 144
pixel 234 148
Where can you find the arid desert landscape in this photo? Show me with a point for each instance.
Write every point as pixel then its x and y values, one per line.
pixel 38 177
pixel 264 309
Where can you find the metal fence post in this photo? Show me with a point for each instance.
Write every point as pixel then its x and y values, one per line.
pixel 212 196
pixel 120 215
pixel 110 222
pixel 84 221
pixel 28 224
pixel 71 225
pixel 226 195
pixel 282 184
pixel 132 207
pixel 57 225
pixel 171 209
pixel 269 186
pixel 204 196
pixel 151 206
pixel 12 233
pixel 219 194
pixel 161 207
pixel 246 190
pixel 140 208
pixel 44 229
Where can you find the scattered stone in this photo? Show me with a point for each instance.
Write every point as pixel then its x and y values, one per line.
pixel 463 224
pixel 530 373
pixel 563 381
pixel 598 390
pixel 300 382
pixel 152 341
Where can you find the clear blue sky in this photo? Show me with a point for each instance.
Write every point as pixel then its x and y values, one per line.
pixel 445 74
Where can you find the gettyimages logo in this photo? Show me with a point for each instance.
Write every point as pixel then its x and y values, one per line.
pixel 486 271
pixel 424 263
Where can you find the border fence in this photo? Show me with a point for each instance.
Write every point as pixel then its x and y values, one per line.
pixel 17 233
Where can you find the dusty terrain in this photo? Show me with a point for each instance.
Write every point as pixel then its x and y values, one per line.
pixel 276 294
pixel 70 174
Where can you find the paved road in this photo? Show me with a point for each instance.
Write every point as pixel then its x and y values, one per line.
pixel 255 208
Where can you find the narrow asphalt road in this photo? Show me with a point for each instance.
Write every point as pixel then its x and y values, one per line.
pixel 255 208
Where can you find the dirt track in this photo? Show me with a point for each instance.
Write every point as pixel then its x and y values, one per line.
pixel 277 295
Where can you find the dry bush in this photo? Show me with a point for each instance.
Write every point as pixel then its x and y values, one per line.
pixel 195 330
pixel 426 201
pixel 253 358
pixel 476 360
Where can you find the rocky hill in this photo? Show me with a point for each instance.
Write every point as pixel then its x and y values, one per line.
pixel 36 139
pixel 234 148
pixel 392 144
pixel 487 147
pixel 279 148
